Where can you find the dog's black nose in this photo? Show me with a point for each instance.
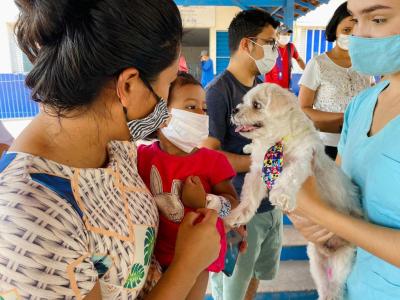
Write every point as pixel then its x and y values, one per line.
pixel 235 111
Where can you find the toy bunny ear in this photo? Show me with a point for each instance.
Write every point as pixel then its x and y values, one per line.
pixel 176 188
pixel 156 185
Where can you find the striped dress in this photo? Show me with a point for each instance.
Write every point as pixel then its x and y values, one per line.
pixel 62 228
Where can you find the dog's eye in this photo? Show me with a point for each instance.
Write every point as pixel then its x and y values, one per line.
pixel 256 105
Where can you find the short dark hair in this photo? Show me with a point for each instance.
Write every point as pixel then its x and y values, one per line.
pixel 182 79
pixel 248 23
pixel 340 14
pixel 76 46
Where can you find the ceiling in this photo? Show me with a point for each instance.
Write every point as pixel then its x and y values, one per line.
pixel 275 7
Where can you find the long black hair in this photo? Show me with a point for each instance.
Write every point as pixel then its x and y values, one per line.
pixel 76 46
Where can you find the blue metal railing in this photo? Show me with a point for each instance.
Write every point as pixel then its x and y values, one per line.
pixel 15 100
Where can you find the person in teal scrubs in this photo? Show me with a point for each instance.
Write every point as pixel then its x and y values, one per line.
pixel 369 153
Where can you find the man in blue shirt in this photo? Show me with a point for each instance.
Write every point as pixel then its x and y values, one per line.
pixel 253 53
pixel 207 68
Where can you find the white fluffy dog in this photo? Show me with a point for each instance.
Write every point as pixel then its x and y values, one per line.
pixel 268 115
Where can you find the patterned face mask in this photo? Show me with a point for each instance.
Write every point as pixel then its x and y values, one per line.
pixel 141 128
pixel 272 165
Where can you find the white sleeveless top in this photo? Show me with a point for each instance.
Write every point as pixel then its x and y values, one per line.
pixel 335 86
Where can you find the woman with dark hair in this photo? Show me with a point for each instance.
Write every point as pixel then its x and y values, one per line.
pixel 329 82
pixel 76 220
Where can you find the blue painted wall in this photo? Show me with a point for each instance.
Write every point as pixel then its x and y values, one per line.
pixel 15 100
pixel 223 53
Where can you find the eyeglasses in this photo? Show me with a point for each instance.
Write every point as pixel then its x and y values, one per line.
pixel 272 42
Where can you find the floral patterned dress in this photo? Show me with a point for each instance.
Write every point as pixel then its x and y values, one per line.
pixel 62 229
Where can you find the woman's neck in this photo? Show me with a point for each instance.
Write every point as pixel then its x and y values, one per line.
pixel 79 142
pixel 340 57
pixel 393 90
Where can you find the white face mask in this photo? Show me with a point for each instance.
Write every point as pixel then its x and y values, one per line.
pixel 343 41
pixel 268 62
pixel 284 39
pixel 186 130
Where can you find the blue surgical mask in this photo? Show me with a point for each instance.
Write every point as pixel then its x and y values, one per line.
pixel 375 56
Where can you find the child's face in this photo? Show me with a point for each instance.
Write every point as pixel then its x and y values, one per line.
pixel 191 98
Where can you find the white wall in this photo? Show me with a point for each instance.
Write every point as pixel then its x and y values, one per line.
pixel 16 126
pixel 8 15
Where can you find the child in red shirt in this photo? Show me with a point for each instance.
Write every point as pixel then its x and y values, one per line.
pixel 175 159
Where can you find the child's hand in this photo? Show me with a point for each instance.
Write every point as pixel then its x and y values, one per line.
pixel 193 193
pixel 243 232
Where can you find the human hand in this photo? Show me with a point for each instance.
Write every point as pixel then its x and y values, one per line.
pixel 198 242
pixel 311 231
pixel 308 199
pixel 243 232
pixel 193 193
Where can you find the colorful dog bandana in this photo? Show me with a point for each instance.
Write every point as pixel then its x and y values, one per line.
pixel 272 165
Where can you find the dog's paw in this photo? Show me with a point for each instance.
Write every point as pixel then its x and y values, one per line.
pixel 247 215
pixel 248 149
pixel 282 200
pixel 239 216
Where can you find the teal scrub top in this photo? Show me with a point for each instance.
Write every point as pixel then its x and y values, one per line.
pixel 373 163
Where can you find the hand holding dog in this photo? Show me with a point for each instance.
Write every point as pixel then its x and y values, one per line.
pixel 312 232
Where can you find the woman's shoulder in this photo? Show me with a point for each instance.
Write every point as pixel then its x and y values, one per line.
pixel 17 167
pixel 313 67
pixel 24 177
pixel 364 99
pixel 319 60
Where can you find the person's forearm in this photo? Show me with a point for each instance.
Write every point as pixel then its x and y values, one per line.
pixel 175 283
pixel 240 163
pixel 231 198
pixel 325 121
pixel 3 148
pixel 301 63
pixel 381 241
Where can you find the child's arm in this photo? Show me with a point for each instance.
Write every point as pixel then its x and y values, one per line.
pixel 226 190
pixel 194 195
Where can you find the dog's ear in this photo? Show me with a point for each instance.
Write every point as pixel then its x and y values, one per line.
pixel 280 101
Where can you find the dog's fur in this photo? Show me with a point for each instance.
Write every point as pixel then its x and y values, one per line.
pixel 267 115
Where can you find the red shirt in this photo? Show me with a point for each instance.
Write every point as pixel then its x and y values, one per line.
pixel 210 166
pixel 280 74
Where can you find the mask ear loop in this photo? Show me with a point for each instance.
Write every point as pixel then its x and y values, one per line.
pixel 148 85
